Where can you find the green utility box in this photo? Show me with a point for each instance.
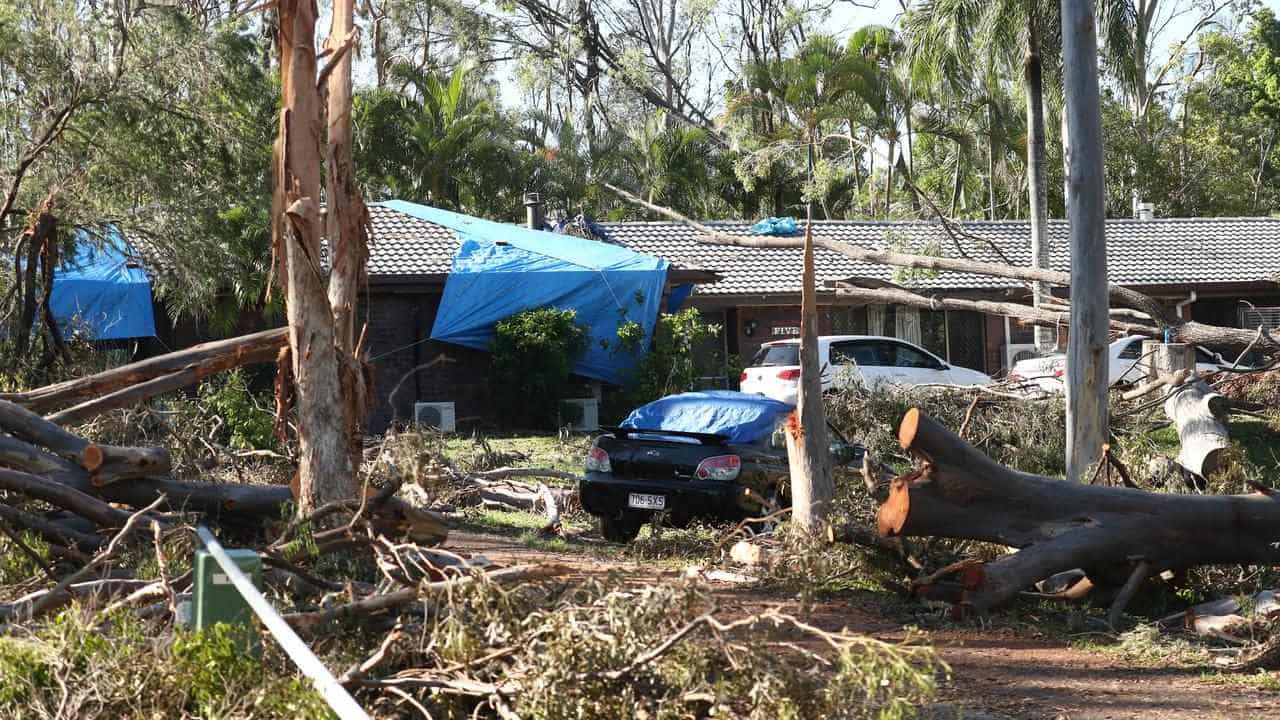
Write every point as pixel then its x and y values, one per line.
pixel 215 600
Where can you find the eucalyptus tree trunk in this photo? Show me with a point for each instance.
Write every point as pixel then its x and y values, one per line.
pixel 347 222
pixel 808 449
pixel 1037 171
pixel 324 469
pixel 1087 348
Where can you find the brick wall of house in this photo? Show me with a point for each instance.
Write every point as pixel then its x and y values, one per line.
pixel 398 322
pixel 778 322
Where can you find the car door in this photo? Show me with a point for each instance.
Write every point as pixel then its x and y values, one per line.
pixel 845 363
pixel 874 359
pixel 912 366
pixel 1128 365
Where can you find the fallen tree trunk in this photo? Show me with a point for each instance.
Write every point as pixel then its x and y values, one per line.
pixel 62 496
pixel 1189 332
pixel 124 397
pixel 215 499
pixel 196 363
pixel 1111 533
pixel 52 532
pixel 1198 411
pixel 114 461
pixel 1122 295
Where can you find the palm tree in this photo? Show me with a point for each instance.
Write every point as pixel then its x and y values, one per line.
pixel 949 38
pixel 669 161
pixel 886 92
pixel 429 144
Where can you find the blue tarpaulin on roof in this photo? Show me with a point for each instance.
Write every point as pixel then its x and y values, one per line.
pixel 102 292
pixel 503 269
pixel 740 417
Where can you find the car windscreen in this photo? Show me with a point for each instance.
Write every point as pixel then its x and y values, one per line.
pixel 772 355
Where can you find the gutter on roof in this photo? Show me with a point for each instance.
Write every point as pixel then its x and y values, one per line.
pixel 385 279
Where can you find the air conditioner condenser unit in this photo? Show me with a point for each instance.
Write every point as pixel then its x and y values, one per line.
pixel 439 415
pixel 581 414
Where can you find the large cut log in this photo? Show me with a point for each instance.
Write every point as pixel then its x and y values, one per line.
pixel 114 461
pixel 218 500
pixel 215 499
pixel 958 492
pixel 195 363
pixel 1198 411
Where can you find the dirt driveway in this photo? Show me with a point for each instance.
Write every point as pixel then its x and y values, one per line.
pixel 997 673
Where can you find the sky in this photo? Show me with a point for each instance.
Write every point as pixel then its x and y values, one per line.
pixel 848 15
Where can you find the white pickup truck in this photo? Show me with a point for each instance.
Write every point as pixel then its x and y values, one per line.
pixel 1125 366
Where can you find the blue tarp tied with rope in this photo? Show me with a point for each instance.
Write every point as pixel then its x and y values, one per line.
pixel 776 226
pixel 101 292
pixel 502 269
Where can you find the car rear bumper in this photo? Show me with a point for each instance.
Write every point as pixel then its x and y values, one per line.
pixel 603 494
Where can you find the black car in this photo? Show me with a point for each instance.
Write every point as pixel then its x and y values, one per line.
pixel 654 464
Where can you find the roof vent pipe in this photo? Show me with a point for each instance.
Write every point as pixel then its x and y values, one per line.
pixel 534 212
pixel 1146 211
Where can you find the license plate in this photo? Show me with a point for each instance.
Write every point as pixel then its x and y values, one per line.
pixel 647 502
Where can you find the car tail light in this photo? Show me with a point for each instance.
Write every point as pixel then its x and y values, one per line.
pixel 598 460
pixel 743 376
pixel 788 374
pixel 720 467
pixel 1059 372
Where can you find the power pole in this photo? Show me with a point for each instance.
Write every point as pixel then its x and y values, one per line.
pixel 1087 372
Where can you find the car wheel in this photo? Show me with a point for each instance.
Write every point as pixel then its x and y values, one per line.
pixel 621 529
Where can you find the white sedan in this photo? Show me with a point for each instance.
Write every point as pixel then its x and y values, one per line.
pixel 1124 366
pixel 775 370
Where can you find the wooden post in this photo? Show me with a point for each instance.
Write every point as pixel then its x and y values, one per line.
pixel 1087 344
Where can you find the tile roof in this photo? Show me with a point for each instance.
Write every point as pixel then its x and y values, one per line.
pixel 1139 252
pixel 403 245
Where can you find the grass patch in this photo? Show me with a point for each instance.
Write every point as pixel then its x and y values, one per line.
pixel 1146 646
pixel 677 545
pixel 564 453
pixel 1260 680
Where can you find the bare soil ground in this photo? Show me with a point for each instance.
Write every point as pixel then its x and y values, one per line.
pixel 997 672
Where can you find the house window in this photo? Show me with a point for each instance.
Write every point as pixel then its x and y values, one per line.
pixel 847 320
pixel 1254 317
pixel 933 331
pixel 1021 333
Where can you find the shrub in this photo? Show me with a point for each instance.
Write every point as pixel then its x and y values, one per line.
pixel 671 364
pixel 73 666
pixel 533 354
pixel 247 423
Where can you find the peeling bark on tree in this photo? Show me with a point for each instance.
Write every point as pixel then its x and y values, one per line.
pixel 808 450
pixel 347 222
pixel 325 472
pixel 1111 533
